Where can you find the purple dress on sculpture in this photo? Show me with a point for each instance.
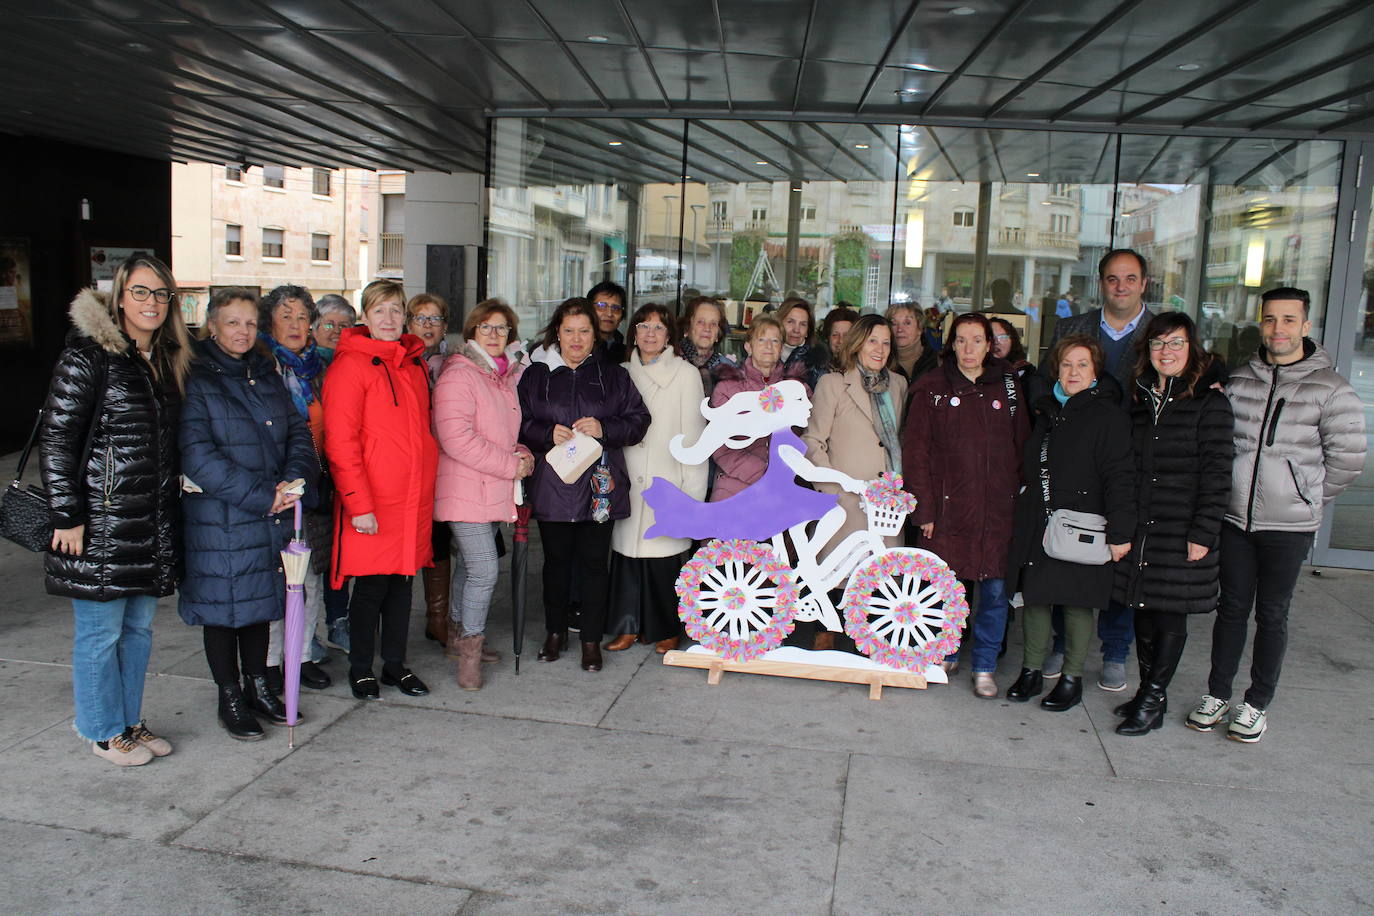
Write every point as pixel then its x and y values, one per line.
pixel 773 503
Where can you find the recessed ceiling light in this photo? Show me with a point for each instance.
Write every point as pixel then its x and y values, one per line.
pixel 299 105
pixel 613 143
pixel 1044 203
pixel 1032 174
pixel 1259 145
pixel 597 38
pixel 137 46
pixel 686 177
pixel 908 91
pixel 760 162
pixel 926 67
pixel 962 11
pixel 861 146
pixel 1190 67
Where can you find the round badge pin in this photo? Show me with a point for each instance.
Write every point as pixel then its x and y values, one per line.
pixel 954 401
pixel 996 405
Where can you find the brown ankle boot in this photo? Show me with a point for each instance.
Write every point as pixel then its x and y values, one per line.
pixel 451 647
pixel 436 579
pixel 470 662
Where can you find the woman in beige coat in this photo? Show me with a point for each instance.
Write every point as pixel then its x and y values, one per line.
pixel 856 421
pixel 643 600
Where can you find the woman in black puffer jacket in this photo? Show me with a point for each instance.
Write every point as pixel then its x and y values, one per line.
pixel 1182 428
pixel 108 449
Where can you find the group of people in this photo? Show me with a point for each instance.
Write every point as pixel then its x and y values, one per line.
pixel 177 464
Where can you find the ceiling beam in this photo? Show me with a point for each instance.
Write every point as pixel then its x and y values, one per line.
pixel 644 53
pixel 887 53
pixel 843 151
pixel 1189 35
pixel 486 49
pixel 1284 43
pixel 1140 179
pixel 1318 104
pixel 793 148
pixel 724 55
pixel 1306 173
pixel 1081 42
pixel 702 125
pixel 1274 88
pixel 978 49
pixel 1102 157
pixel 705 150
pixel 1265 162
pixel 949 160
pixel 567 52
pixel 801 61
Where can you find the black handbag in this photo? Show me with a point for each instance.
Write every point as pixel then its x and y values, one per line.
pixel 24 510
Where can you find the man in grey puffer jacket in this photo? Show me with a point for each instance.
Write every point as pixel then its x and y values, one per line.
pixel 1299 439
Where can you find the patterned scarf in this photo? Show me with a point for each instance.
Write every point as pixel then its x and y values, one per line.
pixel 297 370
pixel 710 360
pixel 876 384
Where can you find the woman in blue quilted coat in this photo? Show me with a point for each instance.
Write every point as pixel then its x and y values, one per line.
pixel 242 444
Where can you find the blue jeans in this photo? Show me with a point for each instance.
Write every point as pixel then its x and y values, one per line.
pixel 109 663
pixel 1115 627
pixel 989 624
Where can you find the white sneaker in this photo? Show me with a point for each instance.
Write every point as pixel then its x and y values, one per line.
pixel 1210 712
pixel 1248 724
pixel 123 751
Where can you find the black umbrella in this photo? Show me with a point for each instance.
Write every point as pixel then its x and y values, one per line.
pixel 518 559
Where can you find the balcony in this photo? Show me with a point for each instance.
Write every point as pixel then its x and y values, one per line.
pixel 392 256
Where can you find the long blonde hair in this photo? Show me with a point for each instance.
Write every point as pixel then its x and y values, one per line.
pixel 170 350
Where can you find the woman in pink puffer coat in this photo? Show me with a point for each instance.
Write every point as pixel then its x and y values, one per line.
pixel 477 423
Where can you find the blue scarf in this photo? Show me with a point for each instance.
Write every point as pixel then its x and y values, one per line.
pixel 1062 396
pixel 297 370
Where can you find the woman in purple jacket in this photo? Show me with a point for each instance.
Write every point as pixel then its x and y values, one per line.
pixel 572 389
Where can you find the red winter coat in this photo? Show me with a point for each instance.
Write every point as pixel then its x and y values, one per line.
pixel 382 454
pixel 961 458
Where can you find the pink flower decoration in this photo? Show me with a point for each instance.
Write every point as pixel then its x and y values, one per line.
pixel 770 399
pixel 886 493
pixel 948 590
pixel 715 553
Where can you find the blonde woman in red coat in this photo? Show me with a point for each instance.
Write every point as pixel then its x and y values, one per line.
pixel 384 459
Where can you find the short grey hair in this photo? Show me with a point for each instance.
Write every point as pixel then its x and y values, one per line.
pixel 333 302
pixel 273 300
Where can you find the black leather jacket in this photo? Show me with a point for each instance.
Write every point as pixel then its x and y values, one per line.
pixel 127 492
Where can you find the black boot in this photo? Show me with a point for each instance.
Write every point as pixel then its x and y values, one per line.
pixel 263 701
pixel 1066 694
pixel 1149 715
pixel 1031 683
pixel 1144 656
pixel 275 681
pixel 234 714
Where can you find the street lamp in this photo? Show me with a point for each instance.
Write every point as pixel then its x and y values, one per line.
pixel 696 208
pixel 667 218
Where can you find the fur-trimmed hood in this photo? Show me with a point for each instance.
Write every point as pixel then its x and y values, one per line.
pixel 90 314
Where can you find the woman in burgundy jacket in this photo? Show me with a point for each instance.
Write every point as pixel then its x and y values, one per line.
pixel 961 450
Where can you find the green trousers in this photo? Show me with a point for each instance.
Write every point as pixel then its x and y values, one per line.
pixel 1038 633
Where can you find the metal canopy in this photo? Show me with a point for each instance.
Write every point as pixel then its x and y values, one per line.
pixel 409 84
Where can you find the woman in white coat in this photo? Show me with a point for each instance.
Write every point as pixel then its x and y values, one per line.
pixel 643 602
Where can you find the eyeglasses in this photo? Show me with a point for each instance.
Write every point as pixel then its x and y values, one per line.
pixel 609 307
pixel 1173 343
pixel 501 329
pixel 141 294
pixel 651 328
pixel 330 326
pixel 1001 338
pixel 427 321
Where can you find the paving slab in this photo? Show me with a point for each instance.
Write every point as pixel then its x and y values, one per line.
pixel 551 813
pixel 53 778
pixel 73 872
pixel 991 839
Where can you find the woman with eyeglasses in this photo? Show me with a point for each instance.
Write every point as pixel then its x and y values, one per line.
pixel 738 468
pixel 477 423
pixel 427 319
pixel 1006 344
pixel 384 459
pixel 643 603
pixel 107 448
pixel 1183 456
pixel 572 389
pixel 333 314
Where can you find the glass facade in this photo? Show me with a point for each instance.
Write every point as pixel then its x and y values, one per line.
pixel 1013 221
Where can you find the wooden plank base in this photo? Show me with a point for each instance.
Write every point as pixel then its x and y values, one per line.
pixel 716 667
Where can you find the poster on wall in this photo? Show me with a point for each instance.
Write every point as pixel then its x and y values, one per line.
pixel 16 297
pixel 105 260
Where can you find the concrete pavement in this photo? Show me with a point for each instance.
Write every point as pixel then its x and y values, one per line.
pixel 643 790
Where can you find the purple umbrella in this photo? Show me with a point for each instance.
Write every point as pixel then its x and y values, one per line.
pixel 295 561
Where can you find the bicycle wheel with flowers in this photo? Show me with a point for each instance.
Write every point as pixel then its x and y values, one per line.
pixel 737 598
pixel 905 608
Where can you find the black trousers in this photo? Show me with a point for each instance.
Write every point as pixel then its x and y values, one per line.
pixel 578 552
pixel 1259 569
pixel 1149 624
pixel 226 648
pixel 385 600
